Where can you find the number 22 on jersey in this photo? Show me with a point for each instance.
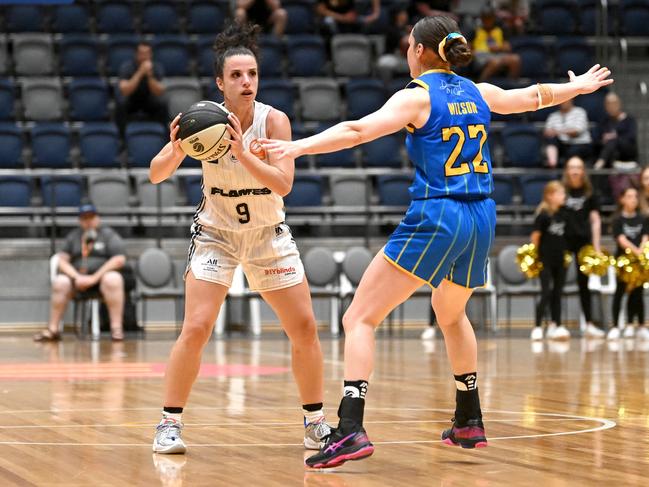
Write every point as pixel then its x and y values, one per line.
pixel 451 167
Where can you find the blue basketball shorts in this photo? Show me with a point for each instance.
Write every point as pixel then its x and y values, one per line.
pixel 445 238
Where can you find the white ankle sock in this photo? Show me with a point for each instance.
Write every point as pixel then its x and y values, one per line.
pixel 313 416
pixel 175 416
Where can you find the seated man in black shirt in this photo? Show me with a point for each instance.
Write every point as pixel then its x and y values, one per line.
pixel 91 259
pixel 141 88
pixel 266 13
pixel 342 16
pixel 618 134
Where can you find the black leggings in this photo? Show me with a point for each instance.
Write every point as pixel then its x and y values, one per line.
pixel 634 305
pixel 553 276
pixel 582 284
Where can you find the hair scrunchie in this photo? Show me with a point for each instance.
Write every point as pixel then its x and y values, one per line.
pixel 440 47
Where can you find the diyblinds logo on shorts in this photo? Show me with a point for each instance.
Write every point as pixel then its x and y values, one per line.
pixel 283 271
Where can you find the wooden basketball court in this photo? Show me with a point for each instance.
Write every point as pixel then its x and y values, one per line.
pixel 82 413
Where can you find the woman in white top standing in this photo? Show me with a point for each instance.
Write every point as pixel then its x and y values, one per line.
pixel 240 220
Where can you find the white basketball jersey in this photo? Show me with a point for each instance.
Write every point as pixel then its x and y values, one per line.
pixel 232 198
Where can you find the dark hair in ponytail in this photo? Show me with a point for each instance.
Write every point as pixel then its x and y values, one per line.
pixel 235 39
pixel 431 31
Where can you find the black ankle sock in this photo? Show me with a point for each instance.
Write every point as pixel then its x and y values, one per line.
pixel 467 406
pixel 355 388
pixel 350 413
pixel 316 406
pixel 466 382
pixel 170 410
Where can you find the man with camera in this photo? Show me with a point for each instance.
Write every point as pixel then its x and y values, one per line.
pixel 89 262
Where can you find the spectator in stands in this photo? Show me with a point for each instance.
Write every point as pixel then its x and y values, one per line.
pixel 141 88
pixel 342 17
pixel 567 134
pixel 267 13
pixel 513 14
pixel 618 134
pixel 491 51
pixel 429 8
pixel 644 186
pixel 90 261
pixel 396 45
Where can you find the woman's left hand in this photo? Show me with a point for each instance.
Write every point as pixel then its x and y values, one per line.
pixel 236 136
pixel 281 148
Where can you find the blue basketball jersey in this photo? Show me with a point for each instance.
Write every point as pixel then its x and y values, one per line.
pixel 450 152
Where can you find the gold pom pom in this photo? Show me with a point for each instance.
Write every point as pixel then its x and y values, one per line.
pixel 593 262
pixel 633 269
pixel 527 257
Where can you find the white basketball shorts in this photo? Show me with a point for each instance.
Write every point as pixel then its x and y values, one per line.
pixel 268 255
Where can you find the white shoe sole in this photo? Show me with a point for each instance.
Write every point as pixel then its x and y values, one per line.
pixel 310 444
pixel 170 450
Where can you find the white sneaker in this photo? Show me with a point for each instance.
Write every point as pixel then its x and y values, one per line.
pixel 643 333
pixel 315 434
pixel 428 333
pixel 592 331
pixel 629 331
pixel 167 437
pixel 613 333
pixel 537 334
pixel 561 333
pixel 550 330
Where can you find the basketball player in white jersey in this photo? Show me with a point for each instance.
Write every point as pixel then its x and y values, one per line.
pixel 240 220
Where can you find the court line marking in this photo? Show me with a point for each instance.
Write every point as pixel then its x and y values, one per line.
pixel 256 424
pixel 605 424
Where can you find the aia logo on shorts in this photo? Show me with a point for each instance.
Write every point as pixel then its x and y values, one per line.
pixel 257 150
pixel 280 271
pixel 278 231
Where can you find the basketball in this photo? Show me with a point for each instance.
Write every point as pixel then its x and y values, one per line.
pixel 202 131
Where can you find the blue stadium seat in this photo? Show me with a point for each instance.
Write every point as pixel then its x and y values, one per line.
pixel 193 189
pixel 50 146
pixel 79 56
pixel 587 13
pixel 205 56
pixel 212 92
pixel 532 187
pixel 307 191
pixel 99 144
pixel 280 93
pixel 61 190
pixel 172 52
pixel 11 141
pixel 300 16
pixel 522 145
pixel 306 55
pixel 15 191
pixel 71 19
pixel 397 84
pixel 557 18
pixel 534 56
pixel 343 158
pixel 271 56
pixel 573 54
pixel 503 193
pixel 393 190
pixel 88 99
pixel 206 17
pixel 113 17
pixel 298 131
pixel 364 96
pixel 383 152
pixel 6 99
pixel 143 141
pixel 119 49
pixel 160 17
pixel 634 18
pixel 24 18
pixel 593 103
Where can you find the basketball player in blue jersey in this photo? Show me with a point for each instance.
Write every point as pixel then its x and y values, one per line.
pixel 445 237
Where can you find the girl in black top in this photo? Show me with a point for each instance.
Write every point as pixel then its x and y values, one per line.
pixel 549 238
pixel 631 231
pixel 583 227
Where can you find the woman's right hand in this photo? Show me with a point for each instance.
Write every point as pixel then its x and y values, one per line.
pixel 173 136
